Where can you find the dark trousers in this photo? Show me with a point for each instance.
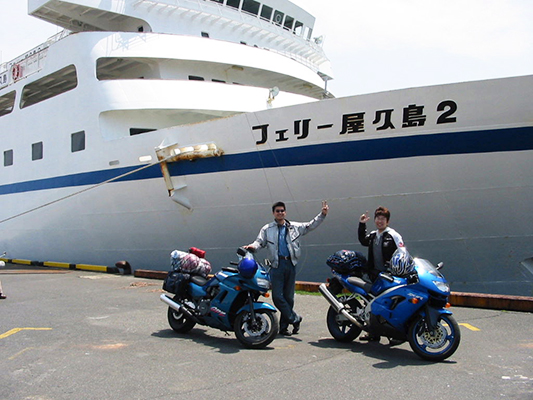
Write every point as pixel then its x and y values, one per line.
pixel 283 281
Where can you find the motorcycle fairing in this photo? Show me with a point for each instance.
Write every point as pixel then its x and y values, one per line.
pixel 432 316
pixel 344 281
pixel 257 307
pixel 395 307
pixel 200 291
pixel 381 284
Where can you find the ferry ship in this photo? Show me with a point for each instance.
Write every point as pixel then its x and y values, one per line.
pixel 153 125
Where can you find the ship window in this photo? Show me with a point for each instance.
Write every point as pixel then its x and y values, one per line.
pixel 77 141
pixel 205 34
pixel 218 80
pixel 8 158
pixel 266 12
pixel 108 68
pixel 37 151
pixel 298 28
pixel 289 21
pixel 278 17
pixel 251 6
pixel 308 32
pixel 138 131
pixel 218 1
pixel 7 102
pixel 196 78
pixel 233 3
pixel 49 86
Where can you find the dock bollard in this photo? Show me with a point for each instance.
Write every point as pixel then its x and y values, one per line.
pixel 124 266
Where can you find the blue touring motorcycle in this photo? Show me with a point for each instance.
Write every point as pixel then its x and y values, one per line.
pixel 228 301
pixel 412 307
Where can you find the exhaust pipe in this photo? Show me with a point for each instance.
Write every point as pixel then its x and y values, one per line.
pixel 175 306
pixel 338 306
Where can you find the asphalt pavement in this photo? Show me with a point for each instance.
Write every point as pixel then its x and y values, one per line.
pixel 69 334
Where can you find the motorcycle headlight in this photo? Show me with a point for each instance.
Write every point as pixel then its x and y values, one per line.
pixel 442 286
pixel 263 283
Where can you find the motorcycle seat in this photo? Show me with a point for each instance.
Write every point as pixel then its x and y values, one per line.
pixel 199 280
pixel 359 282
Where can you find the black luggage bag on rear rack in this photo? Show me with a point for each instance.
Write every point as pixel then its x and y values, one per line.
pixel 347 262
pixel 176 282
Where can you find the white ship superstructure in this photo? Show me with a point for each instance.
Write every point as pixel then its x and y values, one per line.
pixel 223 105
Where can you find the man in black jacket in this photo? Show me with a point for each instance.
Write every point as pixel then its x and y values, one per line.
pixel 381 243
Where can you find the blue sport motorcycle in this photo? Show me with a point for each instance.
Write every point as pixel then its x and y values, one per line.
pixel 227 301
pixel 408 308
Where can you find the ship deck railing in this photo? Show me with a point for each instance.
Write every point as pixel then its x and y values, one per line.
pixel 37 49
pixel 310 53
pixel 314 54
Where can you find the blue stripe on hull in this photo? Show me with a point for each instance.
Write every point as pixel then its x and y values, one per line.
pixel 485 141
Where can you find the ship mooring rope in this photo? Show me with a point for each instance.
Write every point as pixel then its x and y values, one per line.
pixel 85 190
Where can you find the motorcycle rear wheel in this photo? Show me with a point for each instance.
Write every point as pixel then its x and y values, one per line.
pixel 259 333
pixel 179 322
pixel 437 345
pixel 339 326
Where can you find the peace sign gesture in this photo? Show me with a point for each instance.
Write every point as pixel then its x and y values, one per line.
pixel 325 207
pixel 364 218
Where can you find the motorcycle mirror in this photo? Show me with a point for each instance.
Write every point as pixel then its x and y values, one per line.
pixel 440 265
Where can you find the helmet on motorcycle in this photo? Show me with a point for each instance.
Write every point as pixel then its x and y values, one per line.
pixel 401 263
pixel 247 267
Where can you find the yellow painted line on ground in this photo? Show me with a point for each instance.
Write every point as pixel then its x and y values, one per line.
pixel 19 353
pixel 16 330
pixel 468 326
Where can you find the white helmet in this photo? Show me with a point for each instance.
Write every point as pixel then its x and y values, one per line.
pixel 401 263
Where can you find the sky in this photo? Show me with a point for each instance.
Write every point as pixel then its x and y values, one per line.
pixel 379 45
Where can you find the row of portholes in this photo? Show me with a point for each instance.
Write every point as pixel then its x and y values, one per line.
pixel 77 143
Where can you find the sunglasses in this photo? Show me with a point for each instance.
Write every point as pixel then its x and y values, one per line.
pixel 279 211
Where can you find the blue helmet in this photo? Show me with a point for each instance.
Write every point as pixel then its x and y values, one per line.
pixel 401 263
pixel 247 267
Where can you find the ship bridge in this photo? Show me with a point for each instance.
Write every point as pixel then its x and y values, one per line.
pixel 278 25
pixel 78 16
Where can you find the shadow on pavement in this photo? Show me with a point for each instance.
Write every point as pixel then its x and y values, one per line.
pixel 389 357
pixel 224 345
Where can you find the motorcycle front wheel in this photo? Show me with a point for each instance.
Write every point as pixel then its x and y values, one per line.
pixel 256 333
pixel 434 345
pixel 340 327
pixel 179 322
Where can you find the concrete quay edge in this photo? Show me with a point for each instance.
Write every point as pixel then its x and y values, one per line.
pixel 460 299
pixel 63 265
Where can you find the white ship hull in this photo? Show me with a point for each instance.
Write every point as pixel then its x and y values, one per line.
pixel 467 205
pixel 453 164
